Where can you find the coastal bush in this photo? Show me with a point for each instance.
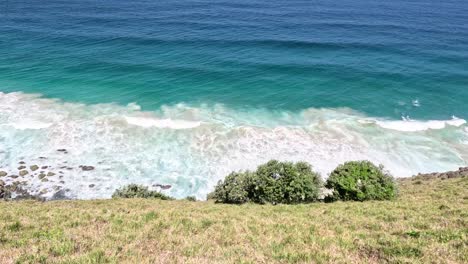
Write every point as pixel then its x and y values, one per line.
pixel 273 182
pixel 361 181
pixel 139 191
pixel 236 188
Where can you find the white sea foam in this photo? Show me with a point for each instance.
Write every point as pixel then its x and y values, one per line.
pixel 408 125
pixel 161 123
pixel 29 124
pixel 191 148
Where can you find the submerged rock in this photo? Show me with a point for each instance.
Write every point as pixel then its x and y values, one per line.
pixel 86 168
pixel 3 173
pixel 21 167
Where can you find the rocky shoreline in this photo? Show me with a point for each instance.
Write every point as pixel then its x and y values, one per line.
pixel 17 183
pixel 37 179
pixel 460 173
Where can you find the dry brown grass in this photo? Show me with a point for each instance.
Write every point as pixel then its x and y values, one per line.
pixel 426 224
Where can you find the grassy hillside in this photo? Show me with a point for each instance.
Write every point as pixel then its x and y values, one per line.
pixel 428 223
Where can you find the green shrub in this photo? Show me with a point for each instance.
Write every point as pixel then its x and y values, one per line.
pixel 138 191
pixel 273 182
pixel 236 188
pixel 361 181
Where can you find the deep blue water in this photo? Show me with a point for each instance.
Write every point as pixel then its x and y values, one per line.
pixel 372 56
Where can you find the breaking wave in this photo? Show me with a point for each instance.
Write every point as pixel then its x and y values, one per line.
pixel 192 147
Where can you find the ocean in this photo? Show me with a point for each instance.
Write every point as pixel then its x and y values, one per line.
pixel 183 92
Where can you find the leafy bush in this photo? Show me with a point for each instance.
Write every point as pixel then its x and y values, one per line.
pixel 273 182
pixel 138 191
pixel 236 188
pixel 361 181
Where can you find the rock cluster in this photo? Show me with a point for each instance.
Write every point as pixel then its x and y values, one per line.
pixel 37 180
pixel 461 172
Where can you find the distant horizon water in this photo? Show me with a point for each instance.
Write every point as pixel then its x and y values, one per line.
pixel 182 93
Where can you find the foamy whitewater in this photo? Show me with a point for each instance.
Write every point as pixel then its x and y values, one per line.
pixel 192 147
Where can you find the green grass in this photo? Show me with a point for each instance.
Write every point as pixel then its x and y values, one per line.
pixel 428 223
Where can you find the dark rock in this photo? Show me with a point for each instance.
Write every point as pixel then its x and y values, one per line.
pixel 87 168
pixel 61 182
pixel 92 185
pixel 60 195
pixel 34 168
pixel 42 158
pixel 3 173
pixel 41 176
pixel 23 172
pixel 21 167
pixel 44 167
pixel 162 186
pixel 44 180
pixel 21 162
pixel 4 191
pixel 61 150
pixel 451 174
pixel 14 176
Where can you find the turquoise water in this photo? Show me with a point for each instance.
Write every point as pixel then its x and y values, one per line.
pixel 183 92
